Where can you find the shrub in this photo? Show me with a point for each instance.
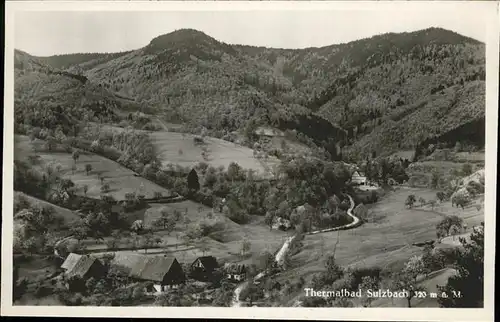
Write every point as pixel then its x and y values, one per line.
pixel 43 290
pixel 197 140
pixel 475 188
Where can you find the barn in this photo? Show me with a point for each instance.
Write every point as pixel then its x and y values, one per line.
pixel 164 272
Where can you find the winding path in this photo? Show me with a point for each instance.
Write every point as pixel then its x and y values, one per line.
pixel 280 255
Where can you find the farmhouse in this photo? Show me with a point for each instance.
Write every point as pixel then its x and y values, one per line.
pixel 164 272
pixel 83 266
pixel 235 272
pixel 203 267
pixel 358 178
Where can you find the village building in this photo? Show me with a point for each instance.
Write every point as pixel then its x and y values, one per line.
pixel 164 272
pixel 281 224
pixel 358 178
pixel 83 266
pixel 204 267
pixel 235 272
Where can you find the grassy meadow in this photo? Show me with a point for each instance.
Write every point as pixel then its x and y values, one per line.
pixel 386 241
pixel 120 179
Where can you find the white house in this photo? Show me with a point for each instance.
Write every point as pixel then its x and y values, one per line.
pixel 235 272
pixel 358 178
pixel 269 132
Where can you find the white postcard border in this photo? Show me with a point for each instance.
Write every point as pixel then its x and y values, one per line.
pixel 372 314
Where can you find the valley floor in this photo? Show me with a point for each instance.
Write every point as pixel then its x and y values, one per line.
pixel 386 242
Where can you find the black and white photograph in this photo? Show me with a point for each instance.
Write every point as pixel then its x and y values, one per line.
pixel 238 157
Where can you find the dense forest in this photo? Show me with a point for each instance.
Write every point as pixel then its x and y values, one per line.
pixel 371 96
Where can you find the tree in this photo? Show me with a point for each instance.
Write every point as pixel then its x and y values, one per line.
pixel 252 293
pixel 414 267
pixel 167 221
pixel 422 201
pixel 441 196
pixel 466 288
pixel 245 246
pixel 433 203
pixel 429 262
pixel 148 241
pixel 410 201
pixel 88 168
pixel 333 270
pixel 454 230
pixel 250 129
pixel 435 178
pixel 85 189
pixel 105 188
pixel 50 143
pixel 443 227
pixel 193 182
pixel 269 219
pixel 467 169
pixel 406 282
pixel 223 296
pixel 75 155
pixel 204 248
pixel 265 260
pixel 461 200
pixel 137 226
pixel 368 283
pixel 234 172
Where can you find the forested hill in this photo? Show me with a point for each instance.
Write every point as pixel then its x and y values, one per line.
pixel 47 97
pixel 68 60
pixel 379 94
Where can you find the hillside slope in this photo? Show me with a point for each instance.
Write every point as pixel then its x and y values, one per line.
pixel 48 97
pixel 380 94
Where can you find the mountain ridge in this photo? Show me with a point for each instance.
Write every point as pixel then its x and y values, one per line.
pixel 183 30
pixel 197 80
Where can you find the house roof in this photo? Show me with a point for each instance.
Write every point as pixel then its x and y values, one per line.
pixel 209 262
pixel 127 260
pixel 233 268
pixel 358 174
pixel 151 268
pixel 78 264
pixel 70 261
pixel 268 131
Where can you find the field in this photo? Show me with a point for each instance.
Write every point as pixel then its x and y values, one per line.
pixel 224 241
pixel 472 157
pixel 386 242
pixel 179 148
pixel 68 215
pixel 421 172
pixel 120 179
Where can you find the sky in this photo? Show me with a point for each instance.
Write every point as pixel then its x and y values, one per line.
pixel 45 33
